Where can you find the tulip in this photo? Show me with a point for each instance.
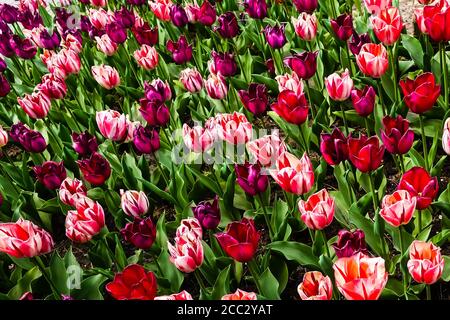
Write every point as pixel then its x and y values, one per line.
pixel 112 124
pixel 5 46
pixel 365 153
pixel 266 149
pixel 154 112
pixel 187 252
pixel 36 105
pixel 240 240
pixel 240 295
pixel 216 87
pixel 146 140
pixel 71 190
pixel 228 25
pixel 305 26
pixel 64 63
pixel 294 175
pixel 24 48
pixel 192 11
pixel 318 211
pixel 178 16
pixel 31 141
pixel 290 82
pixel 396 135
pixel 52 86
pixel 50 174
pixel 3 65
pixel 375 6
pixel 342 26
pixel 357 41
pixel 9 13
pixel 161 9
pixel 5 87
pixel 146 57
pixel 306 5
pixel 418 182
pixel 223 63
pixel 98 3
pixel 233 128
pixel 190 226
pixel 350 243
pixel 275 36
pixel 270 65
pixel 250 179
pixel 372 60
pixel 421 93
pixel 420 20
pixel 137 2
pixel 256 9
pixel 334 147
pixel 3 137
pixel 157 90
pixel 426 263
pixel 145 35
pixel 436 20
pixel 255 98
pixel 208 214
pixel 106 45
pixel 50 41
pixel 96 169
pixel 207 14
pixel 387 25
pixel 339 87
pixel 125 17
pixel 183 295
pixel 363 100
pixel 191 79
pixel 141 233
pixel 446 137
pixel 360 277
pixel 303 64
pixel 86 221
pixel 291 107
pixel 27 296
pixel 397 209
pixel 106 76
pixel 134 203
pixel 197 139
pixel 133 283
pixel 24 239
pixel 315 287
pixel 181 50
pixel 84 143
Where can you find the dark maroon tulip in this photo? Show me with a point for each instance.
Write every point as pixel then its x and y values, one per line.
pixel 5 46
pixel 96 169
pixel 257 9
pixel 305 5
pixel 365 153
pixel 137 2
pixel 342 26
pixel 255 99
pixel 396 135
pixel 157 91
pixel 51 174
pixel 228 25
pixel 181 50
pixel 304 64
pixel 141 233
pixel 9 13
pixel 208 214
pixel 124 17
pixel 31 141
pixel 154 112
pixel 84 143
pixel 275 36
pixel 3 65
pixel 333 147
pixel 364 100
pixel 50 41
pixel 223 63
pixel 418 182
pixel 4 28
pixel 357 41
pixel 145 35
pixel 85 24
pixel 350 243
pixel 32 20
pixel 5 87
pixel 270 65
pixel 207 14
pixel 146 140
pixel 250 179
pixel 24 48
pixel 62 17
pixel 116 32
pixel 93 33
pixel 240 240
pixel 85 1
pixel 178 16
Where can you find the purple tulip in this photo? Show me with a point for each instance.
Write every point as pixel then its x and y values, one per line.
pixel 250 179
pixel 8 13
pixel 396 135
pixel 3 65
pixel 158 90
pixel 255 99
pixel 228 25
pixel 270 65
pixel 85 24
pixel 178 16
pixel 51 174
pixel 304 64
pixel 141 233
pixel 146 140
pixel 181 50
pixel 208 214
pixel 1 199
pixel 5 87
pixel 275 36
pixel 206 14
pixel 342 26
pixel 364 100
pixel 145 35
pixel 125 18
pixel 116 32
pixel 257 9
pixel 137 2
pixel 154 112
pixel 223 63
pixel 350 243
pixel 30 20
pixel 31 141
pixel 5 46
pixel 334 147
pixel 357 41
pixel 24 48
pixel 50 41
pixel 306 5
pixel 84 144
pixel 4 28
pixel 62 16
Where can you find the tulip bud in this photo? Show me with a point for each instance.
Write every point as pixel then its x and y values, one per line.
pixel 134 203
pixel 350 243
pixel 178 16
pixel 96 169
pixel 116 32
pixel 342 26
pixel 426 263
pixel 141 233
pixel 36 105
pixel 334 147
pixel 305 26
pixel 318 211
pixel 106 76
pixel 363 100
pixel 266 149
pixel 228 25
pixel 275 36
pixel 146 140
pixel 155 113
pixel 190 226
pixel 303 64
pixel 86 221
pixel 398 208
pixel 52 86
pixel 208 214
pixel 84 143
pixel 145 35
pixel 146 57
pixel 418 182
pixel 366 154
pixel 3 137
pixel 339 87
pixel 223 63
pixel 250 179
pixel 157 90
pixel 421 93
pixel 290 82
pixel 357 41
pixel 240 295
pixel 191 79
pixel 9 13
pixel 372 60
pixel 206 14
pixel 233 128
pixel 5 87
pixel 124 17
pixel 106 45
pixel 396 135
pixel 197 139
pixel 112 124
pixel 446 137
pixel 187 253
pixel 256 9
pixel 50 174
pixel 24 48
pixel 31 141
pixel 50 41
pixel 387 25
pixel 291 107
pixel 306 5
pixel 315 287
pixel 216 87
pixel 255 98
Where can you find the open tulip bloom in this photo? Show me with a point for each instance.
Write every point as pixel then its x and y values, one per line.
pixel 233 150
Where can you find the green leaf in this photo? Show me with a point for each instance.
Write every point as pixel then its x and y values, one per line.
pixel 414 48
pixel 295 251
pixel 24 283
pixel 90 288
pixel 207 182
pixel 170 272
pixel 269 285
pixel 446 272
pixel 58 273
pixel 222 285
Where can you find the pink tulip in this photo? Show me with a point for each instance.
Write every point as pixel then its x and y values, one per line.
pixel 187 252
pixel 36 105
pixel 191 79
pixel 100 18
pixel 197 139
pixel 112 124
pixel 86 221
pixel 134 203
pixel 3 137
pixel 318 211
pixel 398 208
pixel 106 45
pixel 216 87
pixel 425 262
pixel 72 190
pixel 146 57
pixel 290 82
pixel 52 86
pixel 315 287
pixel 190 226
pixel 98 3
pixel 339 87
pixel 233 128
pixel 72 43
pixel 183 295
pixel 106 76
pixel 375 6
pixel 305 26
pixel 240 295
pixel 373 60
pixel 446 137
pixel 267 149
pixel 161 9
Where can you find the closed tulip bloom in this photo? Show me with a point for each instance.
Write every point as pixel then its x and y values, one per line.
pixel 106 76
pixel 112 124
pixel 31 141
pixel 187 252
pixel 183 295
pixel 157 90
pixel 240 295
pixel 446 137
pixel 3 65
pixel 373 60
pixel 334 147
pixel 181 50
pixel 71 190
pixel 191 79
pixel 36 105
pixel 223 63
pixel 266 149
pixel 306 5
pixel 50 174
pixel 24 239
pixel 375 6
pixel 240 240
pixel 436 20
pixel 161 9
pixel 155 113
pixel 228 25
pixel 23 48
pixel 342 26
pixel 178 16
pixel 86 221
pixel 357 41
pixel 254 99
pixel 290 82
pixel 420 93
pixel 387 25
pixel 52 86
pixel 360 277
pixel 5 87
pixel 363 100
pixel 396 135
pixel 233 127
pixel 315 286
pixel 275 36
pixel 197 139
pixel 208 214
pixel 294 175
pixel 291 107
pixel 146 57
pixel 146 140
pixel 206 14
pixel 3 137
pixel 124 17
pixel 96 169
pixel 418 182
pixel 134 203
pixel 339 87
pixel 133 283
pixel 106 45
pixel 398 208
pixel 216 87
pixel 141 233
pixel 144 34
pixel 420 20
pixel 366 154
pixel 9 13
pixel 305 26
pixel 303 64
pixel 350 243
pixel 84 143
pixel 318 211
pixel 50 41
pixel 426 263
pixel 250 179
pixel 190 226
pixel 256 9
pixel 64 63
pixel 5 46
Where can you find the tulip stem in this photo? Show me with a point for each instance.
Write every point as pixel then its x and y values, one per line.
pixel 401 261
pixel 41 267
pixel 402 163
pixel 420 220
pixel 445 72
pixel 424 142
pixel 306 147
pixel 266 216
pixel 428 289
pixel 367 126
pixel 308 94
pixel 344 118
pixel 326 243
pixel 199 279
pixel 374 196
pixel 394 74
pixel 252 268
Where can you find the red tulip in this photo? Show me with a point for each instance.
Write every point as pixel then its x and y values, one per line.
pixel 334 147
pixel 342 26
pixel 350 243
pixel 255 98
pixel 240 295
pixel 426 263
pixel 84 143
pixel 240 240
pixel 339 87
pixel 375 6
pixel 112 124
pixel 304 64
pixel 206 14
pixel 396 135
pixel 36 105
pixel 318 211
pixel 420 19
pixel 86 221
pixel 397 209
pixel 183 295
pixel 71 190
pixel 134 203
pixel 96 169
pixel 291 107
pixel 421 93
pixel 387 25
pixel 421 185
pixel 141 233
pixel 144 34
pixel 365 153
pixel 436 20
pixel 373 60
pixel 161 9
pixel 315 287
